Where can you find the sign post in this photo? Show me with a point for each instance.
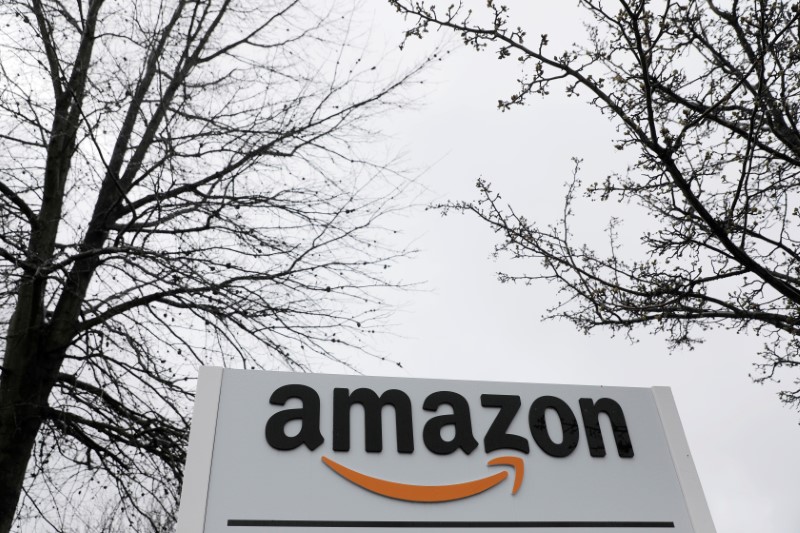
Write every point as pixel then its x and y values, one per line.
pixel 274 451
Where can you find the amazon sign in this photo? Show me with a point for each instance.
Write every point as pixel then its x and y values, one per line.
pixel 274 451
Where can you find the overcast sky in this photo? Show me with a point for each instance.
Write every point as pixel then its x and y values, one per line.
pixel 466 325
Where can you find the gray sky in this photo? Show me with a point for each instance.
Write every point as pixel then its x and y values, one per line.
pixel 466 325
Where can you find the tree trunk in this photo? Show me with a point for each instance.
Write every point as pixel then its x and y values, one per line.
pixel 28 377
pixel 35 347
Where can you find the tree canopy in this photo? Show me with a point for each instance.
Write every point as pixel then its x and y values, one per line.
pixel 181 183
pixel 706 100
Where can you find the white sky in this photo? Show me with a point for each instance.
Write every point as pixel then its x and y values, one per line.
pixel 466 325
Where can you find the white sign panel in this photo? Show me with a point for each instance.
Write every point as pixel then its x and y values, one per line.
pixel 274 451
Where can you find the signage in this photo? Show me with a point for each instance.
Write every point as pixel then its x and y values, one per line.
pixel 276 451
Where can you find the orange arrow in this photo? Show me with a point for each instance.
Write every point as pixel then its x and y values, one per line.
pixel 432 493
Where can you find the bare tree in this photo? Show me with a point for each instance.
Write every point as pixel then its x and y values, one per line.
pixel 706 99
pixel 181 183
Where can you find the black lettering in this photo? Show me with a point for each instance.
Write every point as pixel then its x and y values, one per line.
pixel 498 438
pixel 308 415
pixel 460 419
pixel 569 426
pixel 373 422
pixel 594 435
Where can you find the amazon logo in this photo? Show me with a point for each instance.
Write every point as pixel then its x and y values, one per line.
pixel 447 429
pixel 432 493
